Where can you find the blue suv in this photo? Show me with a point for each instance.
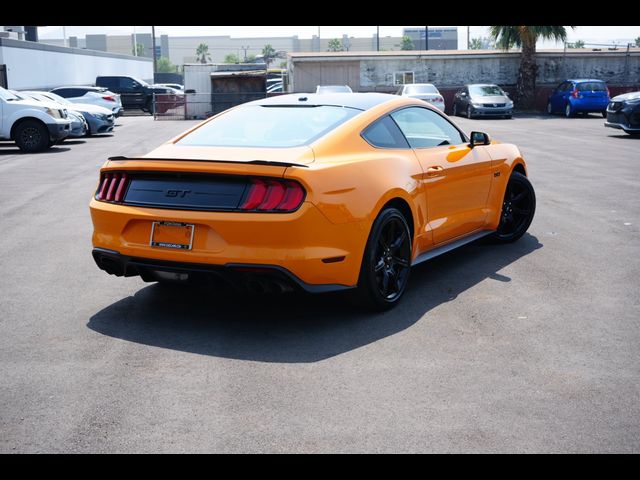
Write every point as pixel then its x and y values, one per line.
pixel 582 95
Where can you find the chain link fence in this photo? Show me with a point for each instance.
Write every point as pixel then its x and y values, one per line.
pixel 198 106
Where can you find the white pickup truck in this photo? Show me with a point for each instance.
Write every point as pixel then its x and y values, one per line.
pixel 33 125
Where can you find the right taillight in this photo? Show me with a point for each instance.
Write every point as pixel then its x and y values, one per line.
pixel 113 187
pixel 109 98
pixel 273 195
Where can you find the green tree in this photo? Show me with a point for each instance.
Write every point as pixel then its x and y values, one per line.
pixel 475 44
pixel 335 45
pixel 637 40
pixel 250 58
pixel 269 53
pixel 139 50
pixel 231 58
pixel 526 37
pixel 164 65
pixel 576 44
pixel 202 53
pixel 407 43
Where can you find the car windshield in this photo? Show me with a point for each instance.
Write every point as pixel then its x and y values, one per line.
pixel 7 95
pixel 485 90
pixel 268 126
pixel 592 87
pixel 417 89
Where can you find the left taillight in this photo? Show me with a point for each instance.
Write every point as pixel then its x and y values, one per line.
pixel 113 186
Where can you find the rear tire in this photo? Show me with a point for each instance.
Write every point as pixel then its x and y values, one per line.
pixel 32 136
pixel 518 208
pixel 568 111
pixel 386 262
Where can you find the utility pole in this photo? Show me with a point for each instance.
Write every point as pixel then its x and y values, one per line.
pixel 378 38
pixel 64 35
pixel 245 53
pixel 153 47
pixel 319 42
pixel 135 42
pixel 426 38
pixel 468 39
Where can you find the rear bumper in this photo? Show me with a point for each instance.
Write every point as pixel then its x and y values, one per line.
pixel 256 278
pixel 303 243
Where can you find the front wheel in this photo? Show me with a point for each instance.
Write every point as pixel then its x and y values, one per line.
pixel 386 262
pixel 32 136
pixel 518 207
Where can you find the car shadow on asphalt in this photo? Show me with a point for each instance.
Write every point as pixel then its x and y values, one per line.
pixel 11 149
pixel 296 328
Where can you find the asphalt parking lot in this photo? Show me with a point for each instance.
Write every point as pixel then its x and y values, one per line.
pixel 530 347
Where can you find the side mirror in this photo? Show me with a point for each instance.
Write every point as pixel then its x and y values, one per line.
pixel 463 94
pixel 191 90
pixel 479 138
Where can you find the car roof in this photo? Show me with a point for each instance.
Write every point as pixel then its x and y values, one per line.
pixel 580 80
pixel 481 85
pixel 80 86
pixel 360 101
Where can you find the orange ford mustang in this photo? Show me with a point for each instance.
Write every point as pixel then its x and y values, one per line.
pixel 318 192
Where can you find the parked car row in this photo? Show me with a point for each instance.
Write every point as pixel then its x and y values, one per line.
pixel 36 120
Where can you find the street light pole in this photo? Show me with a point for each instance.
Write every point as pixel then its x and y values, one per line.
pixel 135 42
pixel 378 38
pixel 153 46
pixel 426 38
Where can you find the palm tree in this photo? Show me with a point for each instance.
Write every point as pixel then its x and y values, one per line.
pixel 268 53
pixel 526 38
pixel 202 53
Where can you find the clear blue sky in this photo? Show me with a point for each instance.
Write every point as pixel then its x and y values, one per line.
pixel 599 34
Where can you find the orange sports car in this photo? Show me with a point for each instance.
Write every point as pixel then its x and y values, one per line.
pixel 318 192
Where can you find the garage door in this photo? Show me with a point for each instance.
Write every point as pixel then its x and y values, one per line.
pixel 308 75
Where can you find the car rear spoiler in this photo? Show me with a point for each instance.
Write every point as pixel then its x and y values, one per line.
pixel 250 162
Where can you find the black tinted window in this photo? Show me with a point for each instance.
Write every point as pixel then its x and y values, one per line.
pixel 127 83
pixel 425 128
pixel 109 82
pixel 592 87
pixel 385 133
pixel 63 92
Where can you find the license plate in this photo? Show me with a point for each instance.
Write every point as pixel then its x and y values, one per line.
pixel 176 235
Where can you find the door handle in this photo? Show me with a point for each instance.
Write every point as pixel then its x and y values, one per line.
pixel 433 171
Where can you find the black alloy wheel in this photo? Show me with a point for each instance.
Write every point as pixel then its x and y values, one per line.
pixel 32 136
pixel 518 208
pixel 387 261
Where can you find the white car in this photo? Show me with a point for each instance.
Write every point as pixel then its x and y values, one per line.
pixel 78 122
pixel 423 91
pixel 175 86
pixel 99 119
pixel 33 125
pixel 322 89
pixel 99 96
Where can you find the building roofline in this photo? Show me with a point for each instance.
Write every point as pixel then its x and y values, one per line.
pixel 12 43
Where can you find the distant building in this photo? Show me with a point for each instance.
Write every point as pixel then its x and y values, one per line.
pixel 182 50
pixel 439 38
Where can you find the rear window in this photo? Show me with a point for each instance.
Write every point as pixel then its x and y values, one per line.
pixel 266 126
pixel 592 87
pixel 485 90
pixel 418 89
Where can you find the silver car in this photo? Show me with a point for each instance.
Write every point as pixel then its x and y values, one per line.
pixel 99 96
pixel 482 100
pixel 423 91
pixel 333 89
pixel 78 123
pixel 99 119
